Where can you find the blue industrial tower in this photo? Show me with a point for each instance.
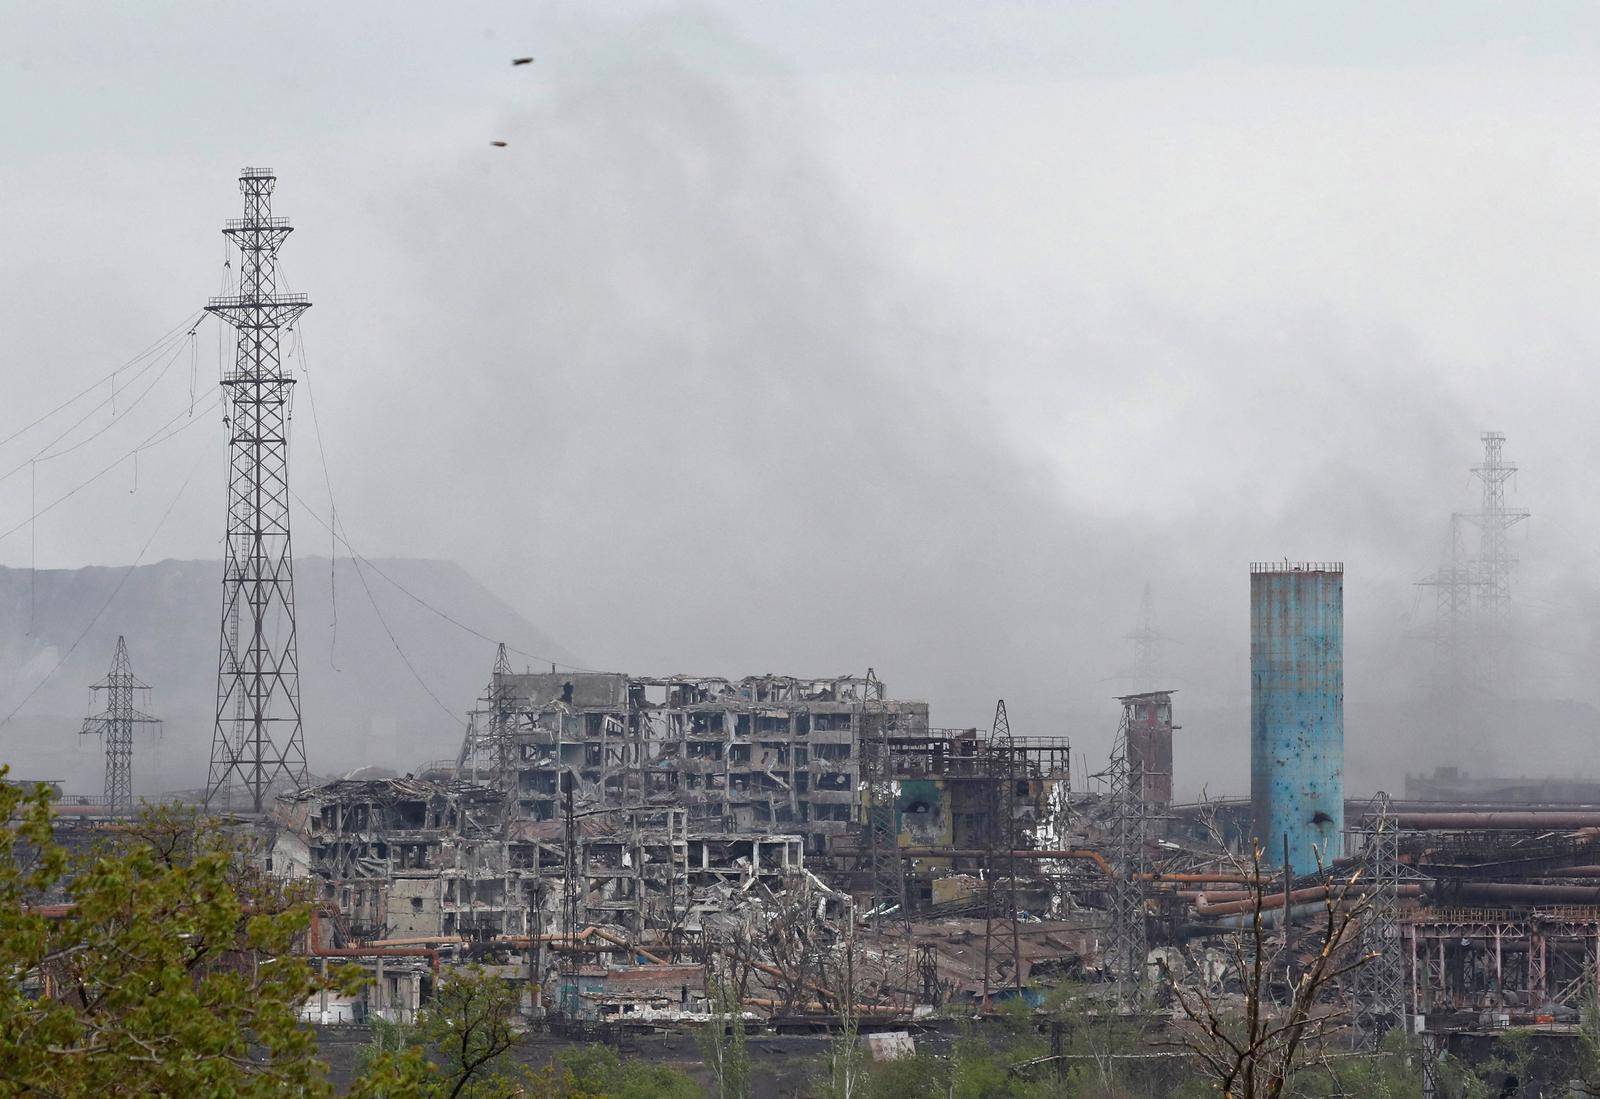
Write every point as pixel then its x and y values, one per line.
pixel 1297 711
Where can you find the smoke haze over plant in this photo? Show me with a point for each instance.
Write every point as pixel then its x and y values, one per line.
pixel 802 340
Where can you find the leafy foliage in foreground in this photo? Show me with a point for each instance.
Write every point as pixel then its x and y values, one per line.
pixel 463 1047
pixel 169 974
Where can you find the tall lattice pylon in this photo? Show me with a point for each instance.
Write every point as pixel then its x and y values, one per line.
pixel 1495 560
pixel 1380 983
pixel 1453 586
pixel 491 736
pixel 114 725
pixel 1473 608
pixel 1127 944
pixel 1004 839
pixel 1147 641
pixel 257 741
pixel 886 882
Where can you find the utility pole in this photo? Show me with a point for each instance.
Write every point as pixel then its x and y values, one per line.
pixel 114 725
pixel 257 738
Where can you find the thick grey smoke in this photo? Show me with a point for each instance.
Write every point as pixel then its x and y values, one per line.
pixel 737 359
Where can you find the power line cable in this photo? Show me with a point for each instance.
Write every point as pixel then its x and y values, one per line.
pixel 137 561
pixel 327 478
pixel 42 455
pixel 337 531
pixel 188 321
pixel 355 554
pixel 176 352
pixel 151 442
pixel 406 660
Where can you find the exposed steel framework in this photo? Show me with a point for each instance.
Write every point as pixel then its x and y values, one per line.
pixel 493 739
pixel 1005 837
pixel 114 725
pixel 886 878
pixel 1380 984
pixel 1473 608
pixel 1127 939
pixel 257 741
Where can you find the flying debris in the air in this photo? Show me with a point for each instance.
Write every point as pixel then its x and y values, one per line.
pixel 522 60
pixel 498 144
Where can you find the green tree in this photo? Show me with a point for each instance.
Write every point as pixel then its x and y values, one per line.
pixel 722 1039
pixel 603 1072
pixel 460 1046
pixel 168 971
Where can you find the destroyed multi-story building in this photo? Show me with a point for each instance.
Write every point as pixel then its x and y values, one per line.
pixel 646 809
pixel 654 791
pixel 760 754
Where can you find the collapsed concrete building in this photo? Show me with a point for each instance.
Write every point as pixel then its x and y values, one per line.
pixel 646 805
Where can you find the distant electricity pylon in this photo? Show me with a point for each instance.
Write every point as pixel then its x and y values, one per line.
pixel 114 726
pixel 1473 608
pixel 1147 639
pixel 496 737
pixel 257 739
pixel 1495 560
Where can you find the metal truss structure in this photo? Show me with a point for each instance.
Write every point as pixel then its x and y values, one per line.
pixel 1127 943
pixel 257 741
pixel 1380 983
pixel 114 725
pixel 492 741
pixel 886 870
pixel 1471 959
pixel 1005 838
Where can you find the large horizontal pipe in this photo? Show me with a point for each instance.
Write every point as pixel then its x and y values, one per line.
pixel 317 950
pixel 1269 900
pixel 1515 892
pixel 561 941
pixel 1535 819
pixel 859 1009
pixel 1199 878
pixel 979 853
pixel 420 940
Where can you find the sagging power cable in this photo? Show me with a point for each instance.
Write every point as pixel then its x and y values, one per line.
pixel 187 323
pixel 121 581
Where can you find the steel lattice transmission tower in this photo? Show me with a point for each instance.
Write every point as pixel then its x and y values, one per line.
pixel 1380 983
pixel 114 725
pixel 1495 559
pixel 258 740
pixel 885 868
pixel 496 738
pixel 1005 838
pixel 1127 943
pixel 1146 645
pixel 1454 586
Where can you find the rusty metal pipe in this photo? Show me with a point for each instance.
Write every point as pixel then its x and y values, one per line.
pixel 1029 853
pixel 1271 900
pixel 317 950
pixel 1553 820
pixel 1517 892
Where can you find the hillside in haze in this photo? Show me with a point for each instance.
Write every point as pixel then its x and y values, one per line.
pixel 360 703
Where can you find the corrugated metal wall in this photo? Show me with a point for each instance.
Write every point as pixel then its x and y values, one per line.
pixel 1297 711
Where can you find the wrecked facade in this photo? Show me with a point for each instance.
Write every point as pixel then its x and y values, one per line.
pixel 653 806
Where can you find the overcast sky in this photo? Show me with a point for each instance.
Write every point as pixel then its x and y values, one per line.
pixel 803 337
